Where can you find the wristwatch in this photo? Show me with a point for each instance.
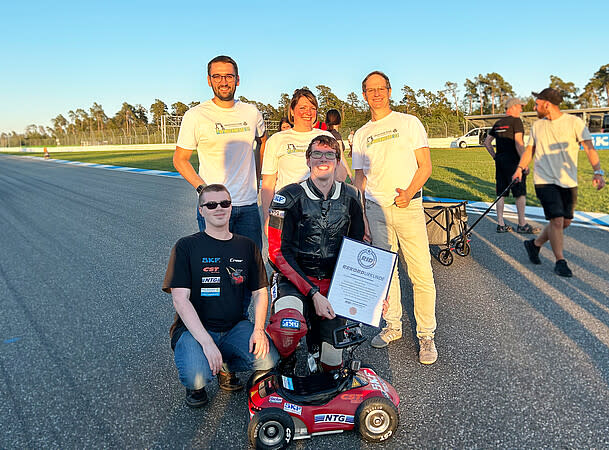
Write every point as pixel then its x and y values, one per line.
pixel 600 172
pixel 200 188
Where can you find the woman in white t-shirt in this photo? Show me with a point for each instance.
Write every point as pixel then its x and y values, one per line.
pixel 284 155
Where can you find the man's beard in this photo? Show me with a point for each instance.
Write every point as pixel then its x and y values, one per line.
pixel 225 98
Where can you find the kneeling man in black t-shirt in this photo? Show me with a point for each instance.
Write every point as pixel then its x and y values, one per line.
pixel 208 276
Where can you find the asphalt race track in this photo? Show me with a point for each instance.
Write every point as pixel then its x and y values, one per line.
pixel 85 360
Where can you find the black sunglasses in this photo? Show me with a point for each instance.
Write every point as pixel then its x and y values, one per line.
pixel 214 205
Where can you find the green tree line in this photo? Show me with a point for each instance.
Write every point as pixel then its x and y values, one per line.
pixel 442 112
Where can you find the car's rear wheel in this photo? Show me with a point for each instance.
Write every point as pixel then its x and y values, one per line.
pixel 271 429
pixel 376 419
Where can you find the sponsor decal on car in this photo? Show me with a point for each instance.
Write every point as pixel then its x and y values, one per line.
pixel 236 260
pixel 288 407
pixel 353 398
pixel 333 418
pixel 210 292
pixel 273 399
pixel 210 280
pixel 291 324
pixel 375 382
pixel 211 269
pixel 280 199
pixel 210 260
pixel 287 382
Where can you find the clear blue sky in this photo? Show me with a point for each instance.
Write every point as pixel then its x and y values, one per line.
pixel 57 56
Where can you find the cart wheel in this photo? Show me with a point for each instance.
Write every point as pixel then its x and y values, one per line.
pixel 376 419
pixel 445 257
pixel 462 248
pixel 271 428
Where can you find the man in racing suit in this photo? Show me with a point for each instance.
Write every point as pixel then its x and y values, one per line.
pixel 306 227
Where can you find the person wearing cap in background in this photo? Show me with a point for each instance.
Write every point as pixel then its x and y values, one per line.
pixel 509 133
pixel 554 146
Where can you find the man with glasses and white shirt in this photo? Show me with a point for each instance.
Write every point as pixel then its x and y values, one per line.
pixel 223 131
pixel 207 275
pixel 392 162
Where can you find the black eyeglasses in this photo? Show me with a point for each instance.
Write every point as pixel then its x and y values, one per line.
pixel 217 77
pixel 316 154
pixel 214 205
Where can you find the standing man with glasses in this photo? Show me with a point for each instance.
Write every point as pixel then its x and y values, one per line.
pixel 392 162
pixel 207 276
pixel 223 131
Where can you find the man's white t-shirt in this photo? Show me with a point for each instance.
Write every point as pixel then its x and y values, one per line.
pixel 285 155
pixel 224 140
pixel 385 150
pixel 557 148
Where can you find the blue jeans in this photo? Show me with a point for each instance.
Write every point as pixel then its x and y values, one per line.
pixel 244 220
pixel 192 365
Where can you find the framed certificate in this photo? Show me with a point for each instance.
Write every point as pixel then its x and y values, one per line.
pixel 361 281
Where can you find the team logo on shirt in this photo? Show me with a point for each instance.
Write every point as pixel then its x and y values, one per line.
pixel 210 280
pixel 228 128
pixel 211 269
pixel 296 148
pixel 210 260
pixel 382 137
pixel 210 292
pixel 236 275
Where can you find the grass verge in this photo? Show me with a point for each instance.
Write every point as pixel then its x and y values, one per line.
pixel 467 174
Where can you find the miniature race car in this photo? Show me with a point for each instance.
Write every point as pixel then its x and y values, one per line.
pixel 287 407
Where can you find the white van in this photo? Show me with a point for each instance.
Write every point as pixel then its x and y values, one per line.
pixel 473 138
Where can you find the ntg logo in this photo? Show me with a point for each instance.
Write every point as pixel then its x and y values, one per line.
pixel 366 258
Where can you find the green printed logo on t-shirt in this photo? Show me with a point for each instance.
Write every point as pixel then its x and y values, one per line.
pixel 382 137
pixel 296 148
pixel 228 128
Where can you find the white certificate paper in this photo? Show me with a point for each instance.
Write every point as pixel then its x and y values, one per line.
pixel 361 281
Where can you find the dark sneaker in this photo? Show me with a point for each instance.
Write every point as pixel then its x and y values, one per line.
pixel 562 269
pixel 196 398
pixel 228 381
pixel 504 229
pixel 532 251
pixel 527 229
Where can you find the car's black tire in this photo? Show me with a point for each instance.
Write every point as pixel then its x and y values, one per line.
pixel 463 144
pixel 271 429
pixel 376 419
pixel 445 257
pixel 462 248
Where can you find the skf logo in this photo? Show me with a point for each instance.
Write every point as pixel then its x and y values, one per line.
pixel 333 418
pixel 288 407
pixel 292 324
pixel 210 260
pixel 211 269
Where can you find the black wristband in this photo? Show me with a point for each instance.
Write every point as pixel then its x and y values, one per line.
pixel 314 290
pixel 200 188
